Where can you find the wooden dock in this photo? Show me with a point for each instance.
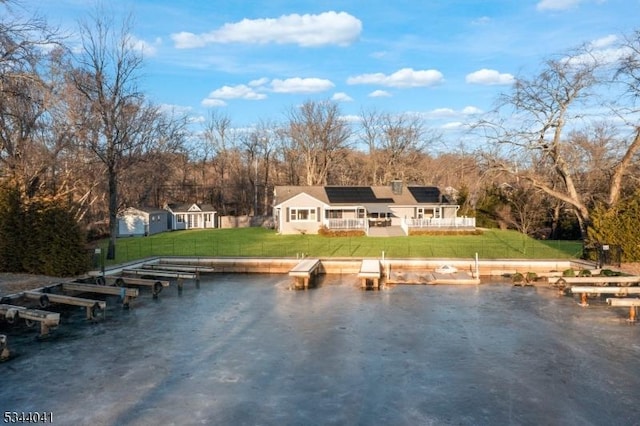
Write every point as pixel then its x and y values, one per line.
pixel 123 281
pixel 126 294
pixel 621 281
pixel 631 302
pixel 178 276
pixel 585 291
pixel 93 307
pixel 304 271
pixel 31 317
pixel 370 272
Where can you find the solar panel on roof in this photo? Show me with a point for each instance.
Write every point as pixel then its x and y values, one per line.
pixel 425 194
pixel 353 194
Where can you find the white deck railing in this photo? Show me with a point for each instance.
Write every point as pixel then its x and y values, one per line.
pixel 453 222
pixel 346 223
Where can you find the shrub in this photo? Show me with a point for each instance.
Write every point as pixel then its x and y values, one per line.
pixel 441 232
pixel 324 231
pixel 568 273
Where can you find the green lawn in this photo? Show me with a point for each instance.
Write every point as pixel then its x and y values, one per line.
pixel 260 242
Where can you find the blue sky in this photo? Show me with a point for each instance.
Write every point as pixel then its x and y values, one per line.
pixel 254 60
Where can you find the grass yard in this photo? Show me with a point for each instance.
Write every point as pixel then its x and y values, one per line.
pixel 260 242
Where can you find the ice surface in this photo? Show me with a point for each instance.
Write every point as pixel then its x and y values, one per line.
pixel 245 350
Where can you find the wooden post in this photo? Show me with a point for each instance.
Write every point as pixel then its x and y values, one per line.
pixel 4 348
pixel 583 300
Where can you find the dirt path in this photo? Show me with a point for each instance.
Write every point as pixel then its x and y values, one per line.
pixel 13 283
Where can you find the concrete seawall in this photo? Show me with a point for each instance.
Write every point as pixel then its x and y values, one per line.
pixel 497 267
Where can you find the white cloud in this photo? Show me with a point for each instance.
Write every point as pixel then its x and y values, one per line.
pixel 341 97
pixel 379 94
pixel 452 125
pixel 442 112
pixel 301 85
pixel 471 110
pixel 406 77
pixel 557 4
pixel 209 102
pixel 489 77
pixel 144 47
pixel 603 42
pixel 259 82
pixel 240 91
pixel 328 28
pixel 600 51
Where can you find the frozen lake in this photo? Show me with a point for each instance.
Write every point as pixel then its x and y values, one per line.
pixel 246 350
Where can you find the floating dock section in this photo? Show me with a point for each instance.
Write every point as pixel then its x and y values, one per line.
pixel 304 272
pixel 370 274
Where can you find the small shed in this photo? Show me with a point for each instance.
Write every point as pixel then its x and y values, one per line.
pixel 191 216
pixel 138 221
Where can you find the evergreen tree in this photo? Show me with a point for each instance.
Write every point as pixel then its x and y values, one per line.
pixel 618 225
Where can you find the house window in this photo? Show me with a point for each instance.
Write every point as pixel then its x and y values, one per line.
pixel 180 218
pixel 334 214
pixel 302 215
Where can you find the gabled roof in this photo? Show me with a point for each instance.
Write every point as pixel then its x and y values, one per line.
pixel 365 195
pixel 190 207
pixel 147 210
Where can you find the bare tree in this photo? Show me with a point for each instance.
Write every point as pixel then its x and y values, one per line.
pixel 534 134
pixel 220 137
pixel 319 133
pixel 117 124
pixel 24 94
pixel 396 144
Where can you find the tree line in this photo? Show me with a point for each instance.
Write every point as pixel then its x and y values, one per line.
pixel 555 157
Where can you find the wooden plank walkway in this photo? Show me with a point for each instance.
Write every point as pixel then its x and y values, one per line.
pixel 370 272
pixel 304 271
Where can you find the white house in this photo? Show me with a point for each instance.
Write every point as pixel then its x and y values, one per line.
pixel 307 209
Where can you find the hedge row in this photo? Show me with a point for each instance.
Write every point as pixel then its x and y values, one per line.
pixel 39 236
